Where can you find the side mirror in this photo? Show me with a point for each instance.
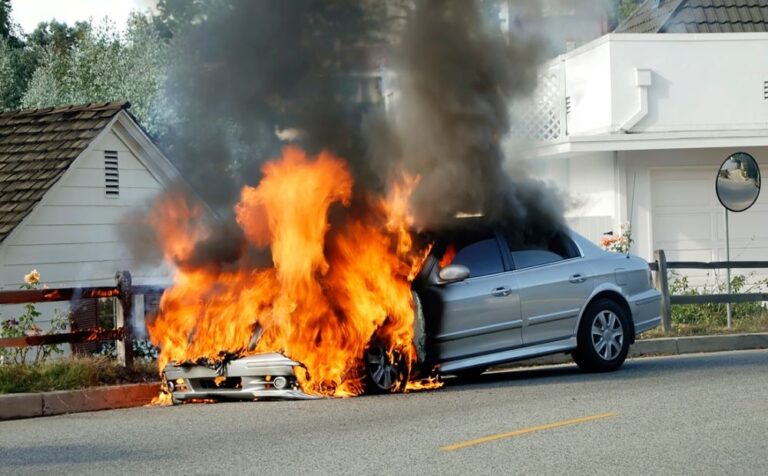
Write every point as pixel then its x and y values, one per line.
pixel 453 273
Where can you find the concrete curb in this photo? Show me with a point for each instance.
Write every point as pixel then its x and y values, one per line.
pixel 27 405
pixel 669 346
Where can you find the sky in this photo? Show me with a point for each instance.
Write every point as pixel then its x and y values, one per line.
pixel 28 13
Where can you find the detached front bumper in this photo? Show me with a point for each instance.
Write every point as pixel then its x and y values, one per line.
pixel 263 376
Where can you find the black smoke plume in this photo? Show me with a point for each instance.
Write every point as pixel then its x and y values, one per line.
pixel 253 72
pixel 457 77
pixel 253 68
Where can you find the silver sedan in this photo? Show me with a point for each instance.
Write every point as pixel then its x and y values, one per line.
pixel 485 296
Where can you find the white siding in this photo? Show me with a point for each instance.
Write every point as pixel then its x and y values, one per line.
pixel 72 236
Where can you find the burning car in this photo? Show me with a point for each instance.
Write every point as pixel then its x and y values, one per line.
pixel 482 297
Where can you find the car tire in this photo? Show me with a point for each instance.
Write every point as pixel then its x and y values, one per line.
pixel 603 337
pixel 384 373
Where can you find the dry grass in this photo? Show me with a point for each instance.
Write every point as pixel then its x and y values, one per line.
pixel 72 373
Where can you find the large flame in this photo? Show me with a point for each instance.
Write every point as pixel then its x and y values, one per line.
pixel 332 288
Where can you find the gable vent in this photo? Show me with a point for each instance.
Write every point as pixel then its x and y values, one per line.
pixel 111 174
pixel 765 90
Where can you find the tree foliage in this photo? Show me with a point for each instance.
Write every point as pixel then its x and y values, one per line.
pixel 622 9
pixel 99 64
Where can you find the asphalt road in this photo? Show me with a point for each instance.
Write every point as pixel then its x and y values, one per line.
pixel 693 414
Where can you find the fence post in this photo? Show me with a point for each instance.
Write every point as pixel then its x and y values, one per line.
pixel 123 314
pixel 662 284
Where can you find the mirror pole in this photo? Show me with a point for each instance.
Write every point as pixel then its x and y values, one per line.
pixel 728 269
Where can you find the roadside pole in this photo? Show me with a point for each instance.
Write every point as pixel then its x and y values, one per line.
pixel 728 269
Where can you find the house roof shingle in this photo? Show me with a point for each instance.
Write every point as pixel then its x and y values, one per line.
pixel 36 148
pixel 697 16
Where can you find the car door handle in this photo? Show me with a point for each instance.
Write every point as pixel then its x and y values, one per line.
pixel 501 291
pixel 577 278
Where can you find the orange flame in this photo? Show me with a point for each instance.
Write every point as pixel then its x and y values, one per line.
pixel 333 287
pixel 448 256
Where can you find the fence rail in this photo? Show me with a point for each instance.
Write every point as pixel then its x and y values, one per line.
pixel 123 291
pixel 661 267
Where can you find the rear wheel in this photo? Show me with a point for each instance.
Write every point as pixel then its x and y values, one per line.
pixel 603 337
pixel 385 372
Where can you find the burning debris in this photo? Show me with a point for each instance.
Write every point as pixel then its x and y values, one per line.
pixel 316 260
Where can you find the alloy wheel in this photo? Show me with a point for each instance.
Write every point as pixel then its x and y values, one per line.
pixel 607 334
pixel 381 370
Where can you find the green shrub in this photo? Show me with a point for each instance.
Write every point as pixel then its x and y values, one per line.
pixel 712 314
pixel 27 325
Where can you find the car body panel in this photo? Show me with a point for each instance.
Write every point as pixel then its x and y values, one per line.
pixel 476 320
pixel 550 301
pixel 509 355
pixel 248 377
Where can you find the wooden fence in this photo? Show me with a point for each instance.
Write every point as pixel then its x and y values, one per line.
pixel 123 291
pixel 661 267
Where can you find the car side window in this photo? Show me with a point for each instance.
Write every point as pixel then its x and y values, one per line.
pixel 481 257
pixel 531 258
pixel 529 254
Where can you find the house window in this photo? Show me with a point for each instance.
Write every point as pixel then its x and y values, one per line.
pixel 111 174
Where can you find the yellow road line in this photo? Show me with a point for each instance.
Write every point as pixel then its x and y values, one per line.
pixel 525 431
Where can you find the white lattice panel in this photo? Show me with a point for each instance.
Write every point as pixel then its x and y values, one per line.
pixel 540 118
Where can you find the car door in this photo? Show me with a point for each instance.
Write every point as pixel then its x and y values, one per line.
pixel 481 314
pixel 554 284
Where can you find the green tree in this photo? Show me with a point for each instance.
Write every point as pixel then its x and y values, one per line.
pixel 13 75
pixel 95 64
pixel 7 28
pixel 57 35
pixel 175 15
pixel 621 9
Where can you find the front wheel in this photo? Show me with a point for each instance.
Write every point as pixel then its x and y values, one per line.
pixel 385 372
pixel 602 337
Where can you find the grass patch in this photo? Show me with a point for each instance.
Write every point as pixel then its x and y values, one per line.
pixel 743 325
pixel 72 373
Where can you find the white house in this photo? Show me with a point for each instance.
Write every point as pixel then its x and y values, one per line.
pixel 67 177
pixel 635 126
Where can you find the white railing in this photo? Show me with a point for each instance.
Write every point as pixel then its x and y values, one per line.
pixel 542 117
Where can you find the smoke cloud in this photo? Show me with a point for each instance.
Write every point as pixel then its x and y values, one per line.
pixel 457 77
pixel 256 70
pixel 254 73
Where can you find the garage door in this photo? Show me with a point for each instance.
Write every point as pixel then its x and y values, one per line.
pixel 688 222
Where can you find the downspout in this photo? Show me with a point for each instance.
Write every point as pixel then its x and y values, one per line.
pixel 643 82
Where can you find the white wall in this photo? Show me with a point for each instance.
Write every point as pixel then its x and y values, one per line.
pixel 72 236
pixel 699 82
pixel 592 187
pixel 588 85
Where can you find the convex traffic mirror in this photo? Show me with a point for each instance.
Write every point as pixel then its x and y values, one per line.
pixel 738 182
